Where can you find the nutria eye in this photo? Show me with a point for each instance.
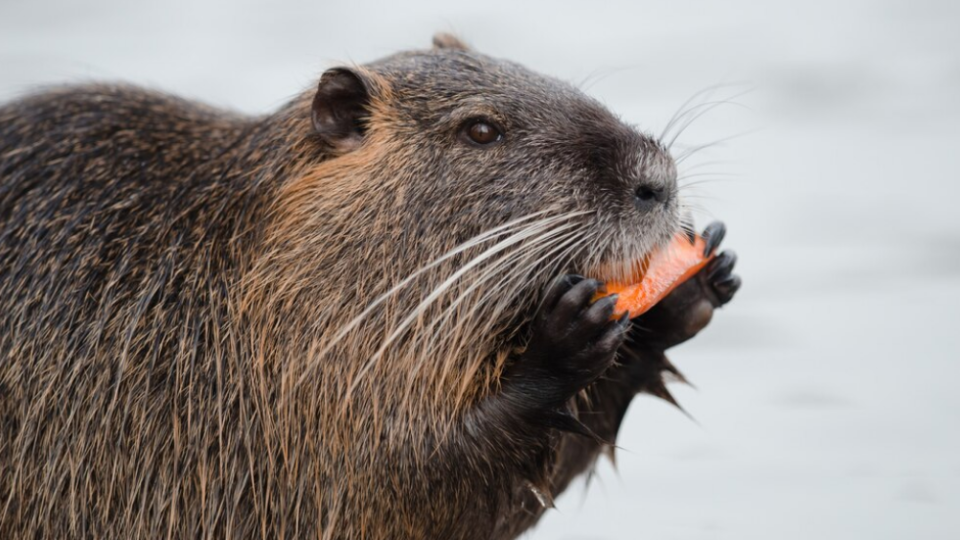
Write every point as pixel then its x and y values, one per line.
pixel 483 133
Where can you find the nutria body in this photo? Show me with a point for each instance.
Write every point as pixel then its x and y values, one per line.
pixel 327 322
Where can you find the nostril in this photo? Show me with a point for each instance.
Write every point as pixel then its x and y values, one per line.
pixel 646 194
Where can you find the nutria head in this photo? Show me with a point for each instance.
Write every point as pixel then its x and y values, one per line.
pixel 508 141
pixel 440 191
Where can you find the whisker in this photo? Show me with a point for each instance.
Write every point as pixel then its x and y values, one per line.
pixel 684 156
pixel 473 242
pixel 515 269
pixel 697 208
pixel 710 174
pixel 707 108
pixel 680 111
pixel 516 276
pixel 700 183
pixel 598 75
pixel 701 197
pixel 577 242
pixel 566 244
pixel 710 163
pixel 438 291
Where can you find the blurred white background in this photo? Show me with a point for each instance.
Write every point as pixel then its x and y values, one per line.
pixel 827 401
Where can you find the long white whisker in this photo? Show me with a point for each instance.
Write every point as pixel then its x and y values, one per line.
pixel 520 278
pixel 703 164
pixel 504 262
pixel 684 156
pixel 518 271
pixel 707 108
pixel 680 111
pixel 446 284
pixel 496 290
pixel 711 174
pixel 473 242
pixel 440 289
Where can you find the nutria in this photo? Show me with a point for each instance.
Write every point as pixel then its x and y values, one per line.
pixel 360 316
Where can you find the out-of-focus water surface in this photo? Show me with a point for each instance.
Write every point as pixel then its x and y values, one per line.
pixel 827 402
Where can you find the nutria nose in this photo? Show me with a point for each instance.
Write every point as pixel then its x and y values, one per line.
pixel 648 196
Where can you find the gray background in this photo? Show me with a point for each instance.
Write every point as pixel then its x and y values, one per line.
pixel 826 403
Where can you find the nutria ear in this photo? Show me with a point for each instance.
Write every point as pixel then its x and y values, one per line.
pixel 341 109
pixel 449 41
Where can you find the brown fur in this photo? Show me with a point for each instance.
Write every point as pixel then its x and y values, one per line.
pixel 180 349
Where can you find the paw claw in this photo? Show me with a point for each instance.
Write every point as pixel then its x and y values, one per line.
pixel 610 340
pixel 713 234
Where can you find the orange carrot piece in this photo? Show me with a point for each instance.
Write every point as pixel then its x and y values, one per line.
pixel 666 269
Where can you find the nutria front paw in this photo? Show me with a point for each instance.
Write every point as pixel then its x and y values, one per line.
pixel 573 342
pixel 688 309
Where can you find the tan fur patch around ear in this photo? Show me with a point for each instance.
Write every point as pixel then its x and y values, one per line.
pixel 444 40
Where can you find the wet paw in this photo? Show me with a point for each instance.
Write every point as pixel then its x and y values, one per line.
pixel 573 341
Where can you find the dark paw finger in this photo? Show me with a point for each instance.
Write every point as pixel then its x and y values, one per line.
pixel 726 288
pixel 720 280
pixel 575 301
pixel 722 266
pixel 598 314
pixel 713 235
pixel 559 287
pixel 612 337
